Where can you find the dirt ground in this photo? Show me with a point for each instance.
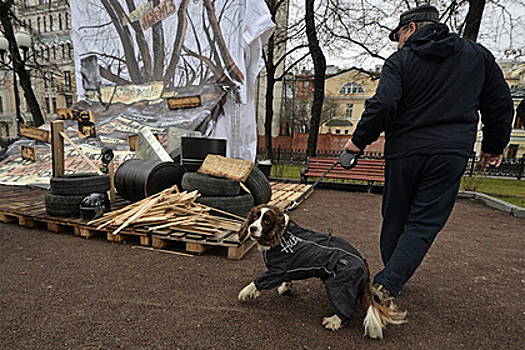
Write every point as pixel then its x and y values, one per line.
pixel 60 291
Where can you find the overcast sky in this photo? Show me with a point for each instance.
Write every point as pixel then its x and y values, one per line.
pixel 495 34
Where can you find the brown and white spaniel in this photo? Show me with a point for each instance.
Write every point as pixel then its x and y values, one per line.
pixel 294 253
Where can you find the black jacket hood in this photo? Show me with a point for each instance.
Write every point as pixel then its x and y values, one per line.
pixel 434 42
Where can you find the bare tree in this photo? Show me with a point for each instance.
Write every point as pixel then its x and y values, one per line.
pixel 8 21
pixel 279 59
pixel 319 61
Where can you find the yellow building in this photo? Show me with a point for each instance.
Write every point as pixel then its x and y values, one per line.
pixel 345 96
pixel 347 91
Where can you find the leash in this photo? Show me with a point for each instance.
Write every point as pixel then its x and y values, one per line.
pixel 348 160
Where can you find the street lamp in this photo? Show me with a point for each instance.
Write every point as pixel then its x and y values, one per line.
pixel 23 41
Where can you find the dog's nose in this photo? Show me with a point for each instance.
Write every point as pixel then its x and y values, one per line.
pixel 253 229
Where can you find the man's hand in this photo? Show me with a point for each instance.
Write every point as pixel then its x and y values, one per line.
pixel 487 159
pixel 350 147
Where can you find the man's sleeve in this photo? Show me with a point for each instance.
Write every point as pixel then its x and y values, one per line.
pixel 382 106
pixel 496 107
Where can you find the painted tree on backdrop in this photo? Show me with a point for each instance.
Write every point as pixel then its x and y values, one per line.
pixel 147 58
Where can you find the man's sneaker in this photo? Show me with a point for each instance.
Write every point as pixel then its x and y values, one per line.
pixel 382 295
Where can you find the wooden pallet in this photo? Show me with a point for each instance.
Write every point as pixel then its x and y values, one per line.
pixel 283 194
pixel 25 207
pixel 197 243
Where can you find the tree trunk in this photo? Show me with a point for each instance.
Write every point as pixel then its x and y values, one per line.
pixel 473 19
pixel 319 78
pixel 6 18
pixel 268 120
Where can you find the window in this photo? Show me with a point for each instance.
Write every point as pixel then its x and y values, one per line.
pixel 351 88
pixel 1 105
pixel 69 101
pixel 347 132
pixel 67 80
pixel 60 21
pixel 50 23
pixel 337 131
pixel 54 104
pixel 349 110
pixel 44 24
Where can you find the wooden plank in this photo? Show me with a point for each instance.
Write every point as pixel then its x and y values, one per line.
pixel 237 253
pixel 79 151
pixel 34 133
pixel 57 147
pixel 196 248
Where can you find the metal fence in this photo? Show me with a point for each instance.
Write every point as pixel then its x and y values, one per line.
pixel 510 167
pixel 298 156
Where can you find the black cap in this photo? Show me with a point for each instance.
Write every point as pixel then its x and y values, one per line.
pixel 419 14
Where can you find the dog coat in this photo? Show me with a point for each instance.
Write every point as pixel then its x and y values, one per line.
pixel 304 254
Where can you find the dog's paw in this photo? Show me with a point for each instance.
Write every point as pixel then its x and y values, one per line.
pixel 333 323
pixel 284 287
pixel 250 291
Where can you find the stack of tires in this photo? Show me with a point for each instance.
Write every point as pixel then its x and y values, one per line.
pixel 67 192
pixel 227 195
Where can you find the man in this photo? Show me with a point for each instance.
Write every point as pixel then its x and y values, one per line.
pixel 427 103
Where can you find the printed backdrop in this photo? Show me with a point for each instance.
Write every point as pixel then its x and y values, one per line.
pixel 159 48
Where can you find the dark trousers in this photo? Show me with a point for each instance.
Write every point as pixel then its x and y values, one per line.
pixel 419 194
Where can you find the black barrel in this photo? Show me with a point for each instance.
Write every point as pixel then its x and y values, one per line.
pixel 195 149
pixel 137 178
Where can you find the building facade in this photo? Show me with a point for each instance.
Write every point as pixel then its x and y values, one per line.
pixel 50 60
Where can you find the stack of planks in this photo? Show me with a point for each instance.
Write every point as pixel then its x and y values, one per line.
pixel 170 209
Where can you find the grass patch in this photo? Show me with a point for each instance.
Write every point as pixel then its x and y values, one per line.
pixel 508 190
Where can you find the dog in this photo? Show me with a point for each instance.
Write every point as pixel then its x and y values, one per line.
pixel 294 253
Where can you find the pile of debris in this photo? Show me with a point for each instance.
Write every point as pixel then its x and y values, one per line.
pixel 172 209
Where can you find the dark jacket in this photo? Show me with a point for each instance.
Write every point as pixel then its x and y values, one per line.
pixel 304 254
pixel 428 98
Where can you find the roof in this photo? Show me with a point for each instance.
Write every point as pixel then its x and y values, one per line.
pixel 339 122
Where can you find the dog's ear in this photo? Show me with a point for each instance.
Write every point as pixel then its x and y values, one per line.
pixel 244 227
pixel 282 218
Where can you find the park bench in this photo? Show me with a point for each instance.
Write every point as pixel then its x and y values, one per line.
pixel 369 170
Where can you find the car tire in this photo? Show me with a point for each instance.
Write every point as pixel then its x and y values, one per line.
pixel 58 205
pixel 210 186
pixel 259 186
pixel 238 205
pixel 80 184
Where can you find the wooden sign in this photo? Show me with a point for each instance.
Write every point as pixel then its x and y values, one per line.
pixel 86 124
pixel 132 139
pixel 158 13
pixel 137 13
pixel 184 102
pixel 65 114
pixel 34 133
pixel 29 153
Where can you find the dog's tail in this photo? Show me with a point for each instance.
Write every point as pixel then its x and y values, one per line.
pixel 378 315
